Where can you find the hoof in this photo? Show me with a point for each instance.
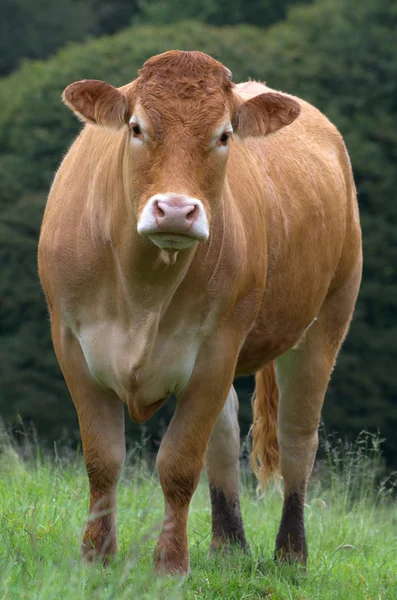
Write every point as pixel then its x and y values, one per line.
pixel 226 547
pixel 91 554
pixel 292 556
pixel 171 563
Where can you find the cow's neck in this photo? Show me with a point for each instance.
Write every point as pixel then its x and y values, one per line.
pixel 148 278
pixel 155 274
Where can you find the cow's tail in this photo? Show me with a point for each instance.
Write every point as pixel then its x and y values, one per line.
pixel 265 451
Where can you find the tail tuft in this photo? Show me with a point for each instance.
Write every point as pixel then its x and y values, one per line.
pixel 265 451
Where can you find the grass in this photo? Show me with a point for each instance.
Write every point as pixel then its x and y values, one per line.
pixel 351 521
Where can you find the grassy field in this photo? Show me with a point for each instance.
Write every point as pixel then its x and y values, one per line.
pixel 351 526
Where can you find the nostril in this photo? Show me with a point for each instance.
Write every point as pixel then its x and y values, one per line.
pixel 157 210
pixel 192 214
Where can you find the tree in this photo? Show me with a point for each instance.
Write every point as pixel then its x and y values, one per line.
pixel 261 13
pixel 37 29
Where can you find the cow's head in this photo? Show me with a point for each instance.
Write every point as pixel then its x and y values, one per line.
pixel 179 116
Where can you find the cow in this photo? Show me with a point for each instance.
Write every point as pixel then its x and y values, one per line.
pixel 199 230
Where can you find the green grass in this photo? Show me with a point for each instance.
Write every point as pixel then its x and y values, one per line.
pixel 351 527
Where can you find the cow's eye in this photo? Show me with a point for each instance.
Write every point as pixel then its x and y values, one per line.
pixel 224 138
pixel 136 130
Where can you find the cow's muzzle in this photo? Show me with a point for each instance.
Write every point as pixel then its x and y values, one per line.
pixel 174 221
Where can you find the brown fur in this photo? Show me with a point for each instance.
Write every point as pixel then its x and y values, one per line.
pixel 265 452
pixel 97 102
pixel 276 280
pixel 279 111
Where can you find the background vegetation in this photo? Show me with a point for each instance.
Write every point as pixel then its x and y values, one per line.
pixel 340 55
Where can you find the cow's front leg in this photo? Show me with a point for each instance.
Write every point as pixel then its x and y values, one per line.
pixel 101 419
pixel 102 433
pixel 222 464
pixel 181 456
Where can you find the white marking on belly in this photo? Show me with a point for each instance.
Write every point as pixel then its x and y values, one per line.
pixel 133 363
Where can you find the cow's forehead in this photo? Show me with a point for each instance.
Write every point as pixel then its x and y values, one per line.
pixel 175 65
pixel 188 87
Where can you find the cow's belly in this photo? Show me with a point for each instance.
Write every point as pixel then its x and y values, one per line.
pixel 279 328
pixel 260 347
pixel 140 368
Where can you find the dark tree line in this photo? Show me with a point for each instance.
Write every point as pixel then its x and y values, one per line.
pixel 38 28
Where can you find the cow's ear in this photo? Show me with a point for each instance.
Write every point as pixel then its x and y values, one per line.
pixel 264 114
pixel 97 102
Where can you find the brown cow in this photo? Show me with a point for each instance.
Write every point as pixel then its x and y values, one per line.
pixel 196 231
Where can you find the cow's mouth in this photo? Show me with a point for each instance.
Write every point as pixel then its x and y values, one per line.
pixel 172 241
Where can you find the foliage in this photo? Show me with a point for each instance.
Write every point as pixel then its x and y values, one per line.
pixel 31 383
pixel 37 29
pixel 44 503
pixel 261 13
pixel 112 15
pixel 338 54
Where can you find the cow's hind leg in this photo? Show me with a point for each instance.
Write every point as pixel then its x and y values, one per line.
pixel 302 376
pixel 222 464
pixel 101 419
